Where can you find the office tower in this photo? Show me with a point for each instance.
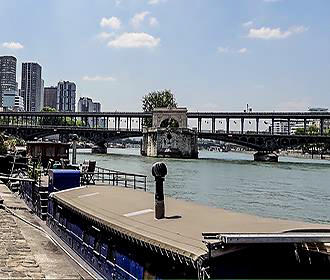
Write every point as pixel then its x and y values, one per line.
pixel 7 75
pixel 32 87
pixel 66 96
pixel 50 97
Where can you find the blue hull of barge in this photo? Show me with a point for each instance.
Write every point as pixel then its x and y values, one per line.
pixel 122 268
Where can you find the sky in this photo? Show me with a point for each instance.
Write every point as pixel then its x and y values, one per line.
pixel 215 55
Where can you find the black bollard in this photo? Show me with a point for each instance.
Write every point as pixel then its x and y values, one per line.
pixel 159 171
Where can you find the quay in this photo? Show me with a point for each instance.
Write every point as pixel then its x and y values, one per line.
pixel 26 252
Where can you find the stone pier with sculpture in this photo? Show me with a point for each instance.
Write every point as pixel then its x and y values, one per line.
pixel 169 135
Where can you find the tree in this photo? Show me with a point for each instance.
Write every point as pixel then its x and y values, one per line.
pixel 48 109
pixel 158 99
pixel 313 130
pixel 300 131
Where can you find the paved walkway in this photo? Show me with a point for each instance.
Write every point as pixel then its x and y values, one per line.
pixel 25 252
pixel 16 258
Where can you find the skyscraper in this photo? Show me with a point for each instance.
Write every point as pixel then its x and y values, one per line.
pixel 7 75
pixel 86 104
pixel 32 87
pixel 50 97
pixel 66 96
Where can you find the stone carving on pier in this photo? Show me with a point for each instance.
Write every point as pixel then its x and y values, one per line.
pixel 169 135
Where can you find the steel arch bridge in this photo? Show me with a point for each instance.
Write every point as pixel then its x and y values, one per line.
pixel 103 127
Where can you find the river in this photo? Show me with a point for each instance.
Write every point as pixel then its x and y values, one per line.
pixel 296 189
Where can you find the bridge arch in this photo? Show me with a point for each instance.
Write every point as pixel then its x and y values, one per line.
pixel 169 122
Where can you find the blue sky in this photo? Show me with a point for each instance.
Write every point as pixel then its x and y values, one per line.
pixel 214 55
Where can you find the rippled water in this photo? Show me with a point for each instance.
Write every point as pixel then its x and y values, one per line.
pixel 295 189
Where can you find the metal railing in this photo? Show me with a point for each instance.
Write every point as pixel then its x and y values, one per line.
pixel 119 178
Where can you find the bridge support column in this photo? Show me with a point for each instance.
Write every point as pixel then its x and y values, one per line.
pixel 321 126
pixel 242 125
pixel 265 156
pixel 257 125
pixel 227 126
pixel 213 125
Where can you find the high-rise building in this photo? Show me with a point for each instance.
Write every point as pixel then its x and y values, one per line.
pixel 86 104
pixel 66 97
pixel 7 74
pixel 50 97
pixel 32 87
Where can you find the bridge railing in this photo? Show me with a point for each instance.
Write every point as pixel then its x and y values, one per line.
pixel 82 127
pixel 118 178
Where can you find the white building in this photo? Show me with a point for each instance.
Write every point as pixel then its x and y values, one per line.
pixel 281 127
pixel 11 101
pixel 66 97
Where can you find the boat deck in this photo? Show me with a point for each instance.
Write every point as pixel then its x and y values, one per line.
pixel 131 212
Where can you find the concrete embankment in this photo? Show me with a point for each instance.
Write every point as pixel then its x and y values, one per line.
pixel 26 252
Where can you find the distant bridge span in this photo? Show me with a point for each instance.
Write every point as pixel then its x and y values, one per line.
pixel 103 127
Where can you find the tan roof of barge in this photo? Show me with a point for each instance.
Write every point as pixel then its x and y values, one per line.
pixel 131 213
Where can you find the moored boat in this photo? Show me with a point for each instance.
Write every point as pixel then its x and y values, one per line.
pixel 115 231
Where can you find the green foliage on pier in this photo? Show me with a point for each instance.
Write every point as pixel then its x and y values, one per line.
pixel 157 99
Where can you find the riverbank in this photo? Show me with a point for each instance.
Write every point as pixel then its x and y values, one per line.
pixel 26 252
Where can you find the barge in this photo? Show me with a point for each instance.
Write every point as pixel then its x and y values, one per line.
pixel 115 231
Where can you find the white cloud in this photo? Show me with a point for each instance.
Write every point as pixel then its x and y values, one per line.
pixel 242 50
pixel 223 49
pixel 153 22
pixel 247 24
pixel 98 78
pixel 272 1
pixel 12 45
pixel 267 33
pixel 134 40
pixel 105 35
pixel 155 2
pixel 230 50
pixel 112 22
pixel 139 18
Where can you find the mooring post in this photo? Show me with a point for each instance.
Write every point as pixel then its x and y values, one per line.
pixel 159 171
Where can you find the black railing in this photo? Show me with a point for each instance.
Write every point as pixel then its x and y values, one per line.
pixel 119 178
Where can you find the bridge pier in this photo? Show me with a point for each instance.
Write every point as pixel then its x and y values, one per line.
pixel 99 149
pixel 265 156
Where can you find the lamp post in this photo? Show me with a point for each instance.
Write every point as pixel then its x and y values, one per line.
pixel 159 171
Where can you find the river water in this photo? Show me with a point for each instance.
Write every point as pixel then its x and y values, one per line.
pixel 296 189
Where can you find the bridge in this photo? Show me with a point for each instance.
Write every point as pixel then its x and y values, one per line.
pixel 254 130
